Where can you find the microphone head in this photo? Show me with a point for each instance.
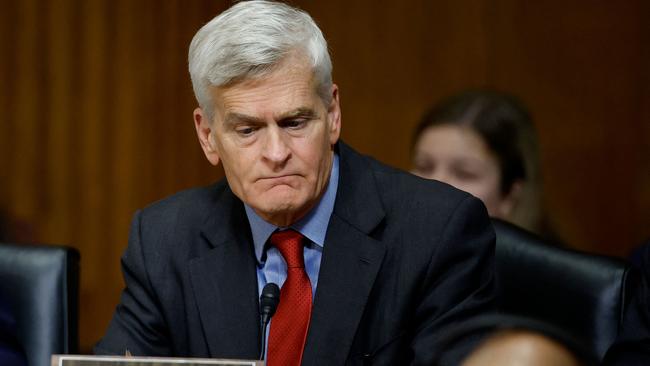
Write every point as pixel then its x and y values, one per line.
pixel 269 299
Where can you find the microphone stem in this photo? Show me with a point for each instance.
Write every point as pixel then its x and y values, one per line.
pixel 263 340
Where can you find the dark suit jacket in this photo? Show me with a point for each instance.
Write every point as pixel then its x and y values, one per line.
pixel 403 258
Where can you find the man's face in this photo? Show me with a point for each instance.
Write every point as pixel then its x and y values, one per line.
pixel 274 136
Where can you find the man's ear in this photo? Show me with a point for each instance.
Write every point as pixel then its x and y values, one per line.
pixel 206 136
pixel 334 115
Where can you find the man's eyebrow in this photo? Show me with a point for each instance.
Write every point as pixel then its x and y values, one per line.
pixel 234 117
pixel 298 112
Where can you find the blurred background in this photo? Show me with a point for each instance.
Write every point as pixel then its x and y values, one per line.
pixel 96 109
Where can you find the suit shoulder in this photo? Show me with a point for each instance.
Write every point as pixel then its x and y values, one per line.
pixel 398 185
pixel 423 202
pixel 401 193
pixel 159 229
pixel 185 204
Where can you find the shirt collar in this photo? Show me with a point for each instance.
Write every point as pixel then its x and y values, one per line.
pixel 313 226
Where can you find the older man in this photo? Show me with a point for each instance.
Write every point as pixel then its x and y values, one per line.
pixel 372 262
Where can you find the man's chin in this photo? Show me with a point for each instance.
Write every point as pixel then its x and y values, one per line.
pixel 279 208
pixel 281 212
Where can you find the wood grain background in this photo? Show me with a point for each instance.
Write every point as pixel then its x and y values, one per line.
pixel 96 105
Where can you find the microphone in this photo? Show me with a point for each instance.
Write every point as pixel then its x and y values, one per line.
pixel 268 303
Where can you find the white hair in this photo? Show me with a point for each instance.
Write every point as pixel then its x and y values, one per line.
pixel 248 40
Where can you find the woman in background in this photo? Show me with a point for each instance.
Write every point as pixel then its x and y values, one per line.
pixel 484 143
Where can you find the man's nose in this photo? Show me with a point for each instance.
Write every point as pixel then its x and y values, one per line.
pixel 276 147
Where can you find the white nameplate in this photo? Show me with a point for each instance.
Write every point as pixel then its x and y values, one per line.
pixel 77 360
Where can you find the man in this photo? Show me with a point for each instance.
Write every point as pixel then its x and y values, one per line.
pixel 389 259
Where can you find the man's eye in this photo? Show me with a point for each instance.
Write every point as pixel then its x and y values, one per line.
pixel 245 131
pixel 295 123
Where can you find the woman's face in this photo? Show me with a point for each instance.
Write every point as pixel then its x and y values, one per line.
pixel 458 156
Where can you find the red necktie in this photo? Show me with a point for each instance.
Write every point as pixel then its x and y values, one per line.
pixel 289 325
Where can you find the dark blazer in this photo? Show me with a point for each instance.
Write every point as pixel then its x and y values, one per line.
pixel 403 258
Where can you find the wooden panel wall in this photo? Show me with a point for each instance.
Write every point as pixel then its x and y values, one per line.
pixel 95 108
pixel 96 122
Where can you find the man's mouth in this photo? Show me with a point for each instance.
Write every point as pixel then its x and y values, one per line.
pixel 286 179
pixel 283 176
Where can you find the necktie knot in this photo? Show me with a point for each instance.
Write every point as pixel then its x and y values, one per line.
pixel 290 244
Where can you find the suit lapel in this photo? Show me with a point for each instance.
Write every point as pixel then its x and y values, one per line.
pixel 350 263
pixel 224 282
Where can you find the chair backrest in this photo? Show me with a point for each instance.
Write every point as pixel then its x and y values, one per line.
pixel 40 283
pixel 584 294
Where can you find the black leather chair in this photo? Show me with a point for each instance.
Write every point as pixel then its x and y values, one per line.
pixel 584 294
pixel 41 283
